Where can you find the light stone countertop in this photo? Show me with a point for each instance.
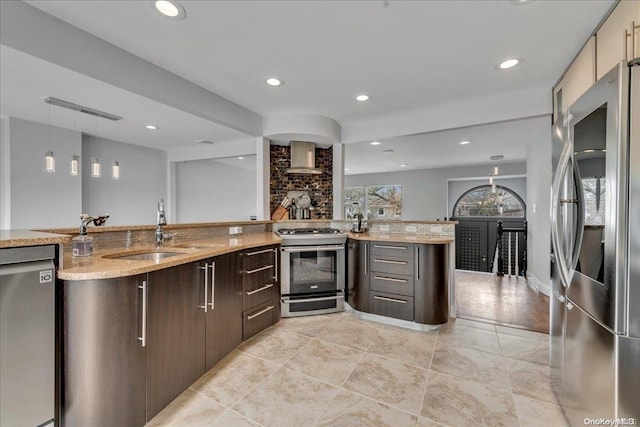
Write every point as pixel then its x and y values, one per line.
pixel 403 238
pixel 100 266
pixel 18 238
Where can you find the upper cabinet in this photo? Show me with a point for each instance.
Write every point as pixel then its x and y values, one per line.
pixel 619 36
pixel 578 78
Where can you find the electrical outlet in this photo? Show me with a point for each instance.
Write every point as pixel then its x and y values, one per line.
pixel 384 227
pixel 435 229
pixel 411 229
pixel 235 230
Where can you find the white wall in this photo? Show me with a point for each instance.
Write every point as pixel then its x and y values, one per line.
pixel 211 190
pixel 39 199
pixel 539 179
pixel 133 198
pixel 424 192
pixel 458 187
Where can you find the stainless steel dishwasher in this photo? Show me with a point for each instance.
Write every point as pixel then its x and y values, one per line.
pixel 27 336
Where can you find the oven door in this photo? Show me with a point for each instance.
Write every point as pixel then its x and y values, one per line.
pixel 312 269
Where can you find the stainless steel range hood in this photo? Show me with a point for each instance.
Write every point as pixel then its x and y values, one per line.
pixel 303 158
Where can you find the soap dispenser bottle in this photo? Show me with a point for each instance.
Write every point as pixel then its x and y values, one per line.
pixel 83 245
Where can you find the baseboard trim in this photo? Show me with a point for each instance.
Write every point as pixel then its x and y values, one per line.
pixel 538 285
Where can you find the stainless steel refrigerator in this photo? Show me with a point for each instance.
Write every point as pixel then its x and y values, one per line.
pixel 595 224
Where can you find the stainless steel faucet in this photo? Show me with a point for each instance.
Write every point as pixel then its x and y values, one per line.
pixel 161 220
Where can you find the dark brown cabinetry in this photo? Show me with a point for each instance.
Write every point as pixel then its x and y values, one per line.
pixel 224 306
pixel 261 289
pixel 408 281
pixel 175 333
pixel 103 355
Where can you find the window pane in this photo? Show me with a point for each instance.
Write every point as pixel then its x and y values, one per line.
pixel 481 201
pixel 354 202
pixel 384 202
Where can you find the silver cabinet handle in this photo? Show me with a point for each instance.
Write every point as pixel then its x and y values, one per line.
pixel 288 300
pixel 366 258
pixel 213 285
pixel 266 267
pixel 400 301
pixel 145 293
pixel 417 262
pixel 386 261
pixel 275 251
pixel 270 285
pixel 400 248
pixel 312 248
pixel 260 312
pixel 258 252
pixel 390 279
pixel 206 279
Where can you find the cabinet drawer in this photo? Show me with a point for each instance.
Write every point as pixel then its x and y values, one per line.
pixel 258 275
pixel 404 250
pixel 391 305
pixel 257 257
pixel 258 319
pixel 391 264
pixel 257 294
pixel 392 283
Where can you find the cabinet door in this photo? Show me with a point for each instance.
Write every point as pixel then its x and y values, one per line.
pixel 175 333
pixel 578 78
pixel 224 312
pixel 103 358
pixel 358 274
pixel 613 42
pixel 432 284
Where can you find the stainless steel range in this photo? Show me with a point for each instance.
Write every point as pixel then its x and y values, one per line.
pixel 313 271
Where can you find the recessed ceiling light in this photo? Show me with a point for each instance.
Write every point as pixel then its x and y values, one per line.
pixel 204 141
pixel 274 81
pixel 509 63
pixel 346 169
pixel 152 127
pixel 375 143
pixel 404 165
pixel 170 9
pixel 362 97
pixel 465 142
pixel 240 158
pixel 387 151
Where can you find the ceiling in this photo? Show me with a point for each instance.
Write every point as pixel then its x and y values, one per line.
pixel 408 56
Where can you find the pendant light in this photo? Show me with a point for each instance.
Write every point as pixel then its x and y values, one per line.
pixel 74 165
pixel 96 166
pixel 115 166
pixel 49 158
pixel 496 171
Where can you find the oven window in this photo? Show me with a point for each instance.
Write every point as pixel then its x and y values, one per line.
pixel 313 271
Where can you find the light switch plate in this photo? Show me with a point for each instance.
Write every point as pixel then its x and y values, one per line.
pixel 384 227
pixel 235 230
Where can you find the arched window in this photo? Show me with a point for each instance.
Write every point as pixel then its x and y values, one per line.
pixel 481 201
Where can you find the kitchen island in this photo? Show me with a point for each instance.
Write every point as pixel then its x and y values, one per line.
pixel 403 278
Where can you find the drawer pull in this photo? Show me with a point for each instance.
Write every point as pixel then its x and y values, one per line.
pixel 259 252
pixel 260 312
pixel 386 261
pixel 288 300
pixel 400 248
pixel 266 267
pixel 390 279
pixel 270 285
pixel 400 301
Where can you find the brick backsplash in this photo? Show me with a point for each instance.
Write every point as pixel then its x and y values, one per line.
pixel 320 187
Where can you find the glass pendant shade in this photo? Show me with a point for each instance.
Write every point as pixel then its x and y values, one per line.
pixel 491 179
pixel 49 162
pixel 495 170
pixel 96 167
pixel 75 165
pixel 493 188
pixel 115 170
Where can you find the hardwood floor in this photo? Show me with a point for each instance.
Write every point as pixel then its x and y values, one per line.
pixel 507 301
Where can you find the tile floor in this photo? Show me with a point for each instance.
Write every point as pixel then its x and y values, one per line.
pixel 337 370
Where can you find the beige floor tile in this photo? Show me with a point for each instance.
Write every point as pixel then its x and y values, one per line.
pixel 457 402
pixel 357 335
pixel 188 409
pixel 325 361
pixel 470 364
pixel 531 350
pixel 233 377
pixel 310 326
pixel 473 324
pixel 349 409
pixel 522 333
pixel 465 336
pixel 394 383
pixel 531 380
pixel 414 348
pixel 426 422
pixel 286 398
pixel 533 413
pixel 230 418
pixel 275 345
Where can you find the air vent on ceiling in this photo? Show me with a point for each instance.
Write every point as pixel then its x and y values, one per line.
pixel 81 108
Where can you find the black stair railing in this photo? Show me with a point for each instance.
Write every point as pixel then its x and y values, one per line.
pixel 515 265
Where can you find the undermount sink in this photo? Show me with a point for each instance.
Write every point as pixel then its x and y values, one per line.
pixel 147 256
